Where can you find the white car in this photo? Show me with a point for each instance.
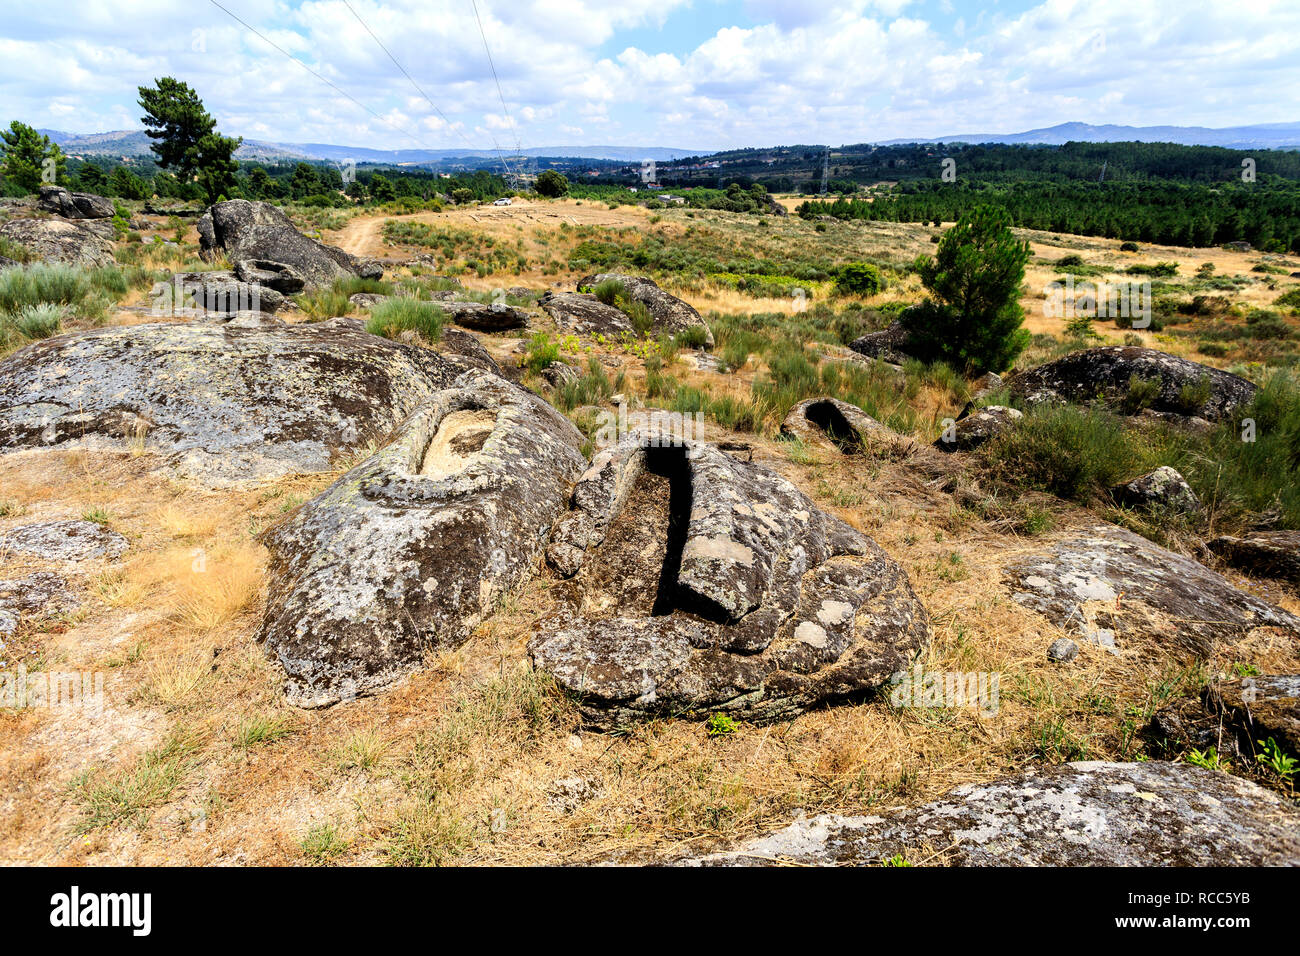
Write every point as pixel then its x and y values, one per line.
pixel 502 202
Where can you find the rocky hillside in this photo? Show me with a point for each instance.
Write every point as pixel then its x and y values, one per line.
pixel 477 542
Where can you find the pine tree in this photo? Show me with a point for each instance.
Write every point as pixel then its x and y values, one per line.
pixel 185 137
pixel 972 319
pixel 30 158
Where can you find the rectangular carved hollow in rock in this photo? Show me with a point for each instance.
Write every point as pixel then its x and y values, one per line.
pixel 837 428
pixel 460 437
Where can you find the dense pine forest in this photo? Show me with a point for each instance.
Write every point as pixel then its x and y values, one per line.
pixel 1153 192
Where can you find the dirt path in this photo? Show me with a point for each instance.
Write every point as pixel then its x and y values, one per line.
pixel 363 236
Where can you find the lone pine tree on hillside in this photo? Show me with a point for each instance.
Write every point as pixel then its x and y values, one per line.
pixel 972 319
pixel 186 139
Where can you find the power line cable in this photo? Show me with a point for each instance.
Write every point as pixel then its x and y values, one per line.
pixel 500 95
pixel 417 86
pixel 331 85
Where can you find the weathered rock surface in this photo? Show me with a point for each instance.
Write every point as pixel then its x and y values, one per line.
pixel 849 428
pixel 69 540
pixel 485 317
pixel 979 426
pixel 670 313
pixel 259 231
pixel 72 205
pixel 217 291
pixel 1234 716
pixel 73 242
pixel 888 345
pixel 1062 650
pixel 1163 488
pixel 407 552
pixel 1080 814
pixel 700 582
pixel 38 593
pixel 584 314
pixel 1186 388
pixel 223 402
pixel 1108 584
pixel 1274 554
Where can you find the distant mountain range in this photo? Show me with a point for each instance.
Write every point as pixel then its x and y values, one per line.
pixel 136 143
pixel 1266 136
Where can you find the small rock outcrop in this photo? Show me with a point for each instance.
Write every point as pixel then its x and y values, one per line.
pixel 246 230
pixel 670 313
pixel 72 205
pixel 62 541
pixel 1234 717
pixel 1133 379
pixel 1110 585
pixel 584 314
pixel 697 582
pixel 1080 814
pixel 224 402
pixel 849 428
pixel 978 427
pixel 409 551
pixel 1272 554
pixel 41 593
pixel 485 317
pixel 72 242
pixel 888 345
pixel 1164 489
pixel 284 279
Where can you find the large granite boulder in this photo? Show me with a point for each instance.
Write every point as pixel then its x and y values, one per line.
pixel 218 291
pixel 1117 374
pixel 410 550
pixel 34 595
pixel 224 402
pixel 72 242
pixel 1080 814
pixel 584 314
pixel 670 313
pixel 847 427
pixel 244 230
pixel 1112 586
pixel 1271 554
pixel 72 205
pixel 696 582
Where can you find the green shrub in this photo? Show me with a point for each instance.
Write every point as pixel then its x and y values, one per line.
pixel 1156 269
pixel 39 321
pixel 1073 452
pixel 542 353
pixel 1128 247
pixel 859 278
pixel 611 292
pixel 396 315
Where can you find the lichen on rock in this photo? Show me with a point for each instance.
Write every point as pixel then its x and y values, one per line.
pixel 698 582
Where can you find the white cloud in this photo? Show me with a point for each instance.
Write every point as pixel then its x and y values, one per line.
pixel 836 72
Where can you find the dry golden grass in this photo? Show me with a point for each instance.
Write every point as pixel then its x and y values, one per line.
pixel 200 762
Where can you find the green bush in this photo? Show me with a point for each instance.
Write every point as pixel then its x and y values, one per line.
pixel 393 316
pixel 859 278
pixel 542 352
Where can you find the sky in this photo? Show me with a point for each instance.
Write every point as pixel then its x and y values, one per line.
pixel 691 74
